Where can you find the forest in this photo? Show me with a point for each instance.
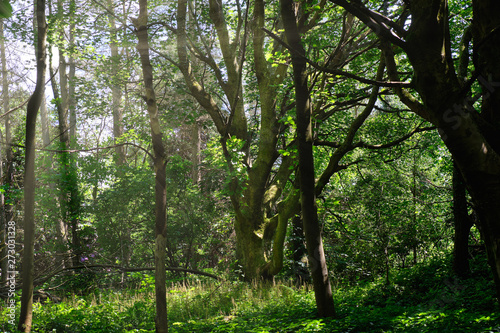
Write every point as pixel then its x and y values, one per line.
pixel 250 166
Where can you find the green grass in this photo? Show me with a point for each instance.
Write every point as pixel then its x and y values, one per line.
pixel 426 298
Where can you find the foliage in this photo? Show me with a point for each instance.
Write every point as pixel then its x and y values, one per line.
pixel 424 298
pixel 5 9
pixel 385 212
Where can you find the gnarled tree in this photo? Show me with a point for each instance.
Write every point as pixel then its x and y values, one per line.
pixel 470 133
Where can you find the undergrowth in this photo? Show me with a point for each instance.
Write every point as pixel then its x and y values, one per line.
pixel 425 298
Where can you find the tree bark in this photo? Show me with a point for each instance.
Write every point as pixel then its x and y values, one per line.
pixel 44 122
pixel 25 319
pixel 314 243
pixel 159 160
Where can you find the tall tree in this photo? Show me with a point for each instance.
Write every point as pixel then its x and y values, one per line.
pixel 470 134
pixel 257 181
pixel 116 103
pixel 72 72
pixel 69 196
pixel 25 318
pixel 159 160
pixel 303 107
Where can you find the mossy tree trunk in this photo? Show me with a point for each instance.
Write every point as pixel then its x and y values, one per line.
pixel 69 196
pixel 253 189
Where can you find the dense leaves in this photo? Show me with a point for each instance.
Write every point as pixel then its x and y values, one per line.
pixel 421 299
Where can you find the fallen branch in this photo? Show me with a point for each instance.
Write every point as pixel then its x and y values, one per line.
pixel 4 290
pixel 125 269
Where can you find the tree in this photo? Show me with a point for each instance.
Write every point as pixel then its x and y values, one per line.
pixel 69 196
pixel 249 178
pixel 314 242
pixel 115 86
pixel 445 100
pixel 253 116
pixel 25 319
pixel 159 160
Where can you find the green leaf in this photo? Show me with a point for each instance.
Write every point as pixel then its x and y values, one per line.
pixel 5 9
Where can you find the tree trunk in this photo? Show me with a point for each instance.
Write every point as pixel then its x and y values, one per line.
pixel 314 243
pixel 249 248
pixel 69 198
pixel 298 250
pixel 117 110
pixel 483 180
pixel 141 23
pixel 72 75
pixel 463 225
pixel 44 122
pixel 25 319
pixel 116 91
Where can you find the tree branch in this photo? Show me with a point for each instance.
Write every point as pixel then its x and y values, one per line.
pixel 127 269
pixel 381 25
pixel 362 144
pixel 338 71
pixel 15 109
pixel 85 150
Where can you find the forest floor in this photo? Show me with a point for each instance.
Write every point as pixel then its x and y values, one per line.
pixel 426 298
